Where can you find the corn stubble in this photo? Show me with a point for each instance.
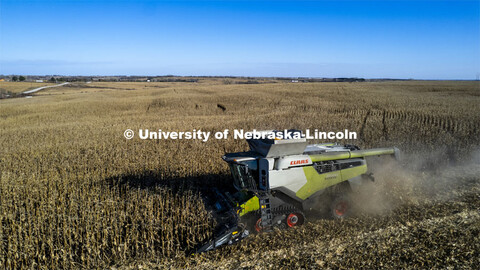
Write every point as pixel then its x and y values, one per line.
pixel 74 193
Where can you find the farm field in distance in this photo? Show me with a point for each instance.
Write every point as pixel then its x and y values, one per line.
pixel 18 87
pixel 74 193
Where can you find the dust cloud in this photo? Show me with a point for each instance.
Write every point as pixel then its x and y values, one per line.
pixel 415 180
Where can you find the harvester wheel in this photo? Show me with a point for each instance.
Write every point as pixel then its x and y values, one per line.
pixel 295 219
pixel 258 225
pixel 341 207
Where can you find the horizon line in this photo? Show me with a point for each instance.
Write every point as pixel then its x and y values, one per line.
pixel 242 76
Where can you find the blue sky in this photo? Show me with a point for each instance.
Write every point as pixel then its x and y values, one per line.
pixel 370 39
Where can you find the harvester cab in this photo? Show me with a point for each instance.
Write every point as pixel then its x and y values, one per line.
pixel 277 181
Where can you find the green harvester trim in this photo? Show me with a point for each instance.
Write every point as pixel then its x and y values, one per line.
pixel 251 205
pixel 316 181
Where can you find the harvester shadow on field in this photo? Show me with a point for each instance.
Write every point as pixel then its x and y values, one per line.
pixel 150 180
pixel 204 188
pixel 205 185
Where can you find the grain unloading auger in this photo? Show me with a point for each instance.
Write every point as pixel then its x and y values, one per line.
pixel 277 181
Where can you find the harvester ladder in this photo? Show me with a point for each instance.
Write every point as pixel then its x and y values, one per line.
pixel 265 212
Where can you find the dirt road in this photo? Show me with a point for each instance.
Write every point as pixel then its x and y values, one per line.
pixel 43 87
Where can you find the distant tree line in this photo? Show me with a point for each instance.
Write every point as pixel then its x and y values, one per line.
pixel 19 79
pixel 186 79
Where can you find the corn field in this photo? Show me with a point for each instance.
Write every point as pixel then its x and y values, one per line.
pixel 74 193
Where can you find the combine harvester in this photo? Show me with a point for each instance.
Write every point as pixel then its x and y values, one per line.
pixel 277 181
